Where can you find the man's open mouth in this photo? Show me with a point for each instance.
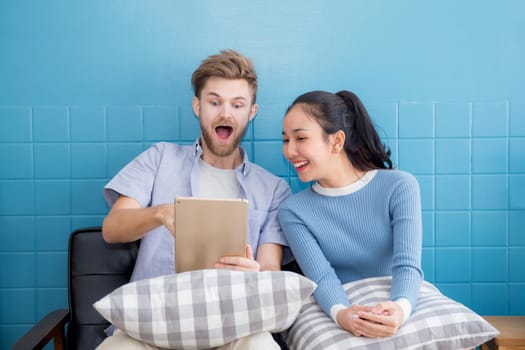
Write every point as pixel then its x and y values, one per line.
pixel 223 132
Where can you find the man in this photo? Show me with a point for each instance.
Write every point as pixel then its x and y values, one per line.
pixel 142 193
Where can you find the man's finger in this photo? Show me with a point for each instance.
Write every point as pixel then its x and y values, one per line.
pixel 249 251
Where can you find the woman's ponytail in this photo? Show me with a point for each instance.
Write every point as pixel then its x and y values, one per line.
pixel 362 145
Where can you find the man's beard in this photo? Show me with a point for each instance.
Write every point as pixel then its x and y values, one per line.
pixel 222 150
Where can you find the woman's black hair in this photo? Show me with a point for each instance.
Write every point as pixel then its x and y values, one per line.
pixel 345 111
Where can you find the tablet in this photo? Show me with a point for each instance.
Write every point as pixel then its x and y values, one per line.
pixel 207 229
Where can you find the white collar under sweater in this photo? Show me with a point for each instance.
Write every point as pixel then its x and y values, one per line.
pixel 341 191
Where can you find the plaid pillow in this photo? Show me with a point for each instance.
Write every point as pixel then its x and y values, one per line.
pixel 205 308
pixel 437 323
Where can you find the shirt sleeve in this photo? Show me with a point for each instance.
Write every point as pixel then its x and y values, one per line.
pixel 136 179
pixel 334 310
pixel 271 231
pixel 404 304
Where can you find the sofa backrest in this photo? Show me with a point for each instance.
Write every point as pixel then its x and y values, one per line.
pixel 95 269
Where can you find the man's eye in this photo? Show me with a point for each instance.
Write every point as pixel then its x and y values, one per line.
pixel 214 103
pixel 286 140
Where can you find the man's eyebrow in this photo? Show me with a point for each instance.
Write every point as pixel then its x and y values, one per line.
pixel 214 94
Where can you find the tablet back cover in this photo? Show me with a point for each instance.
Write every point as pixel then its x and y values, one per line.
pixel 207 229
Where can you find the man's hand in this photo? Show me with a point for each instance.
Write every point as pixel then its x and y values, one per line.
pixel 127 221
pixel 166 213
pixel 239 263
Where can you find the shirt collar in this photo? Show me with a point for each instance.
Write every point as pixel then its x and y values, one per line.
pixel 243 168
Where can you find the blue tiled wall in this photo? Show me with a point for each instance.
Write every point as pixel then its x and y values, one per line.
pixel 85 87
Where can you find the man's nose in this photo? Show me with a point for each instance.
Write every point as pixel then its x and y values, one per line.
pixel 226 111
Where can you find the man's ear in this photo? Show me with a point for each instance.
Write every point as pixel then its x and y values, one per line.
pixel 338 141
pixel 253 111
pixel 196 105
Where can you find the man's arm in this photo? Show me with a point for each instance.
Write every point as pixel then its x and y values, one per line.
pixel 269 256
pixel 127 221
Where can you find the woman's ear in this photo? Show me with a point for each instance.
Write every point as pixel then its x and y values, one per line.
pixel 338 141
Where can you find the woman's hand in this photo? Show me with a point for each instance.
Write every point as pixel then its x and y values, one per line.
pixel 239 263
pixel 381 320
pixel 347 318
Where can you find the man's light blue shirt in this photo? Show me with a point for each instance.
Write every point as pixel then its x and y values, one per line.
pixel 165 171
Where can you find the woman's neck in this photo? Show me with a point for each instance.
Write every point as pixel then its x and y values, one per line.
pixel 342 174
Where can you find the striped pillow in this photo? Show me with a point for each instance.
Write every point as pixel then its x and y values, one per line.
pixel 437 323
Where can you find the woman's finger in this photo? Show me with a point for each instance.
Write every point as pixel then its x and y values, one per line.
pixel 374 329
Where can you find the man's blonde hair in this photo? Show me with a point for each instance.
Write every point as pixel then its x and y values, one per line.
pixel 228 64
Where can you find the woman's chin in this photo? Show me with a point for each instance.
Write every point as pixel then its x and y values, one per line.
pixel 304 178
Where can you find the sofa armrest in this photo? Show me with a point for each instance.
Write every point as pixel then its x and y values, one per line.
pixel 50 327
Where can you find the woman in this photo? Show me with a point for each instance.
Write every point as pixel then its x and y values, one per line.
pixel 359 219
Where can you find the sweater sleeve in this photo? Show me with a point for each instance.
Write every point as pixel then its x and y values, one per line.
pixel 405 208
pixel 313 263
